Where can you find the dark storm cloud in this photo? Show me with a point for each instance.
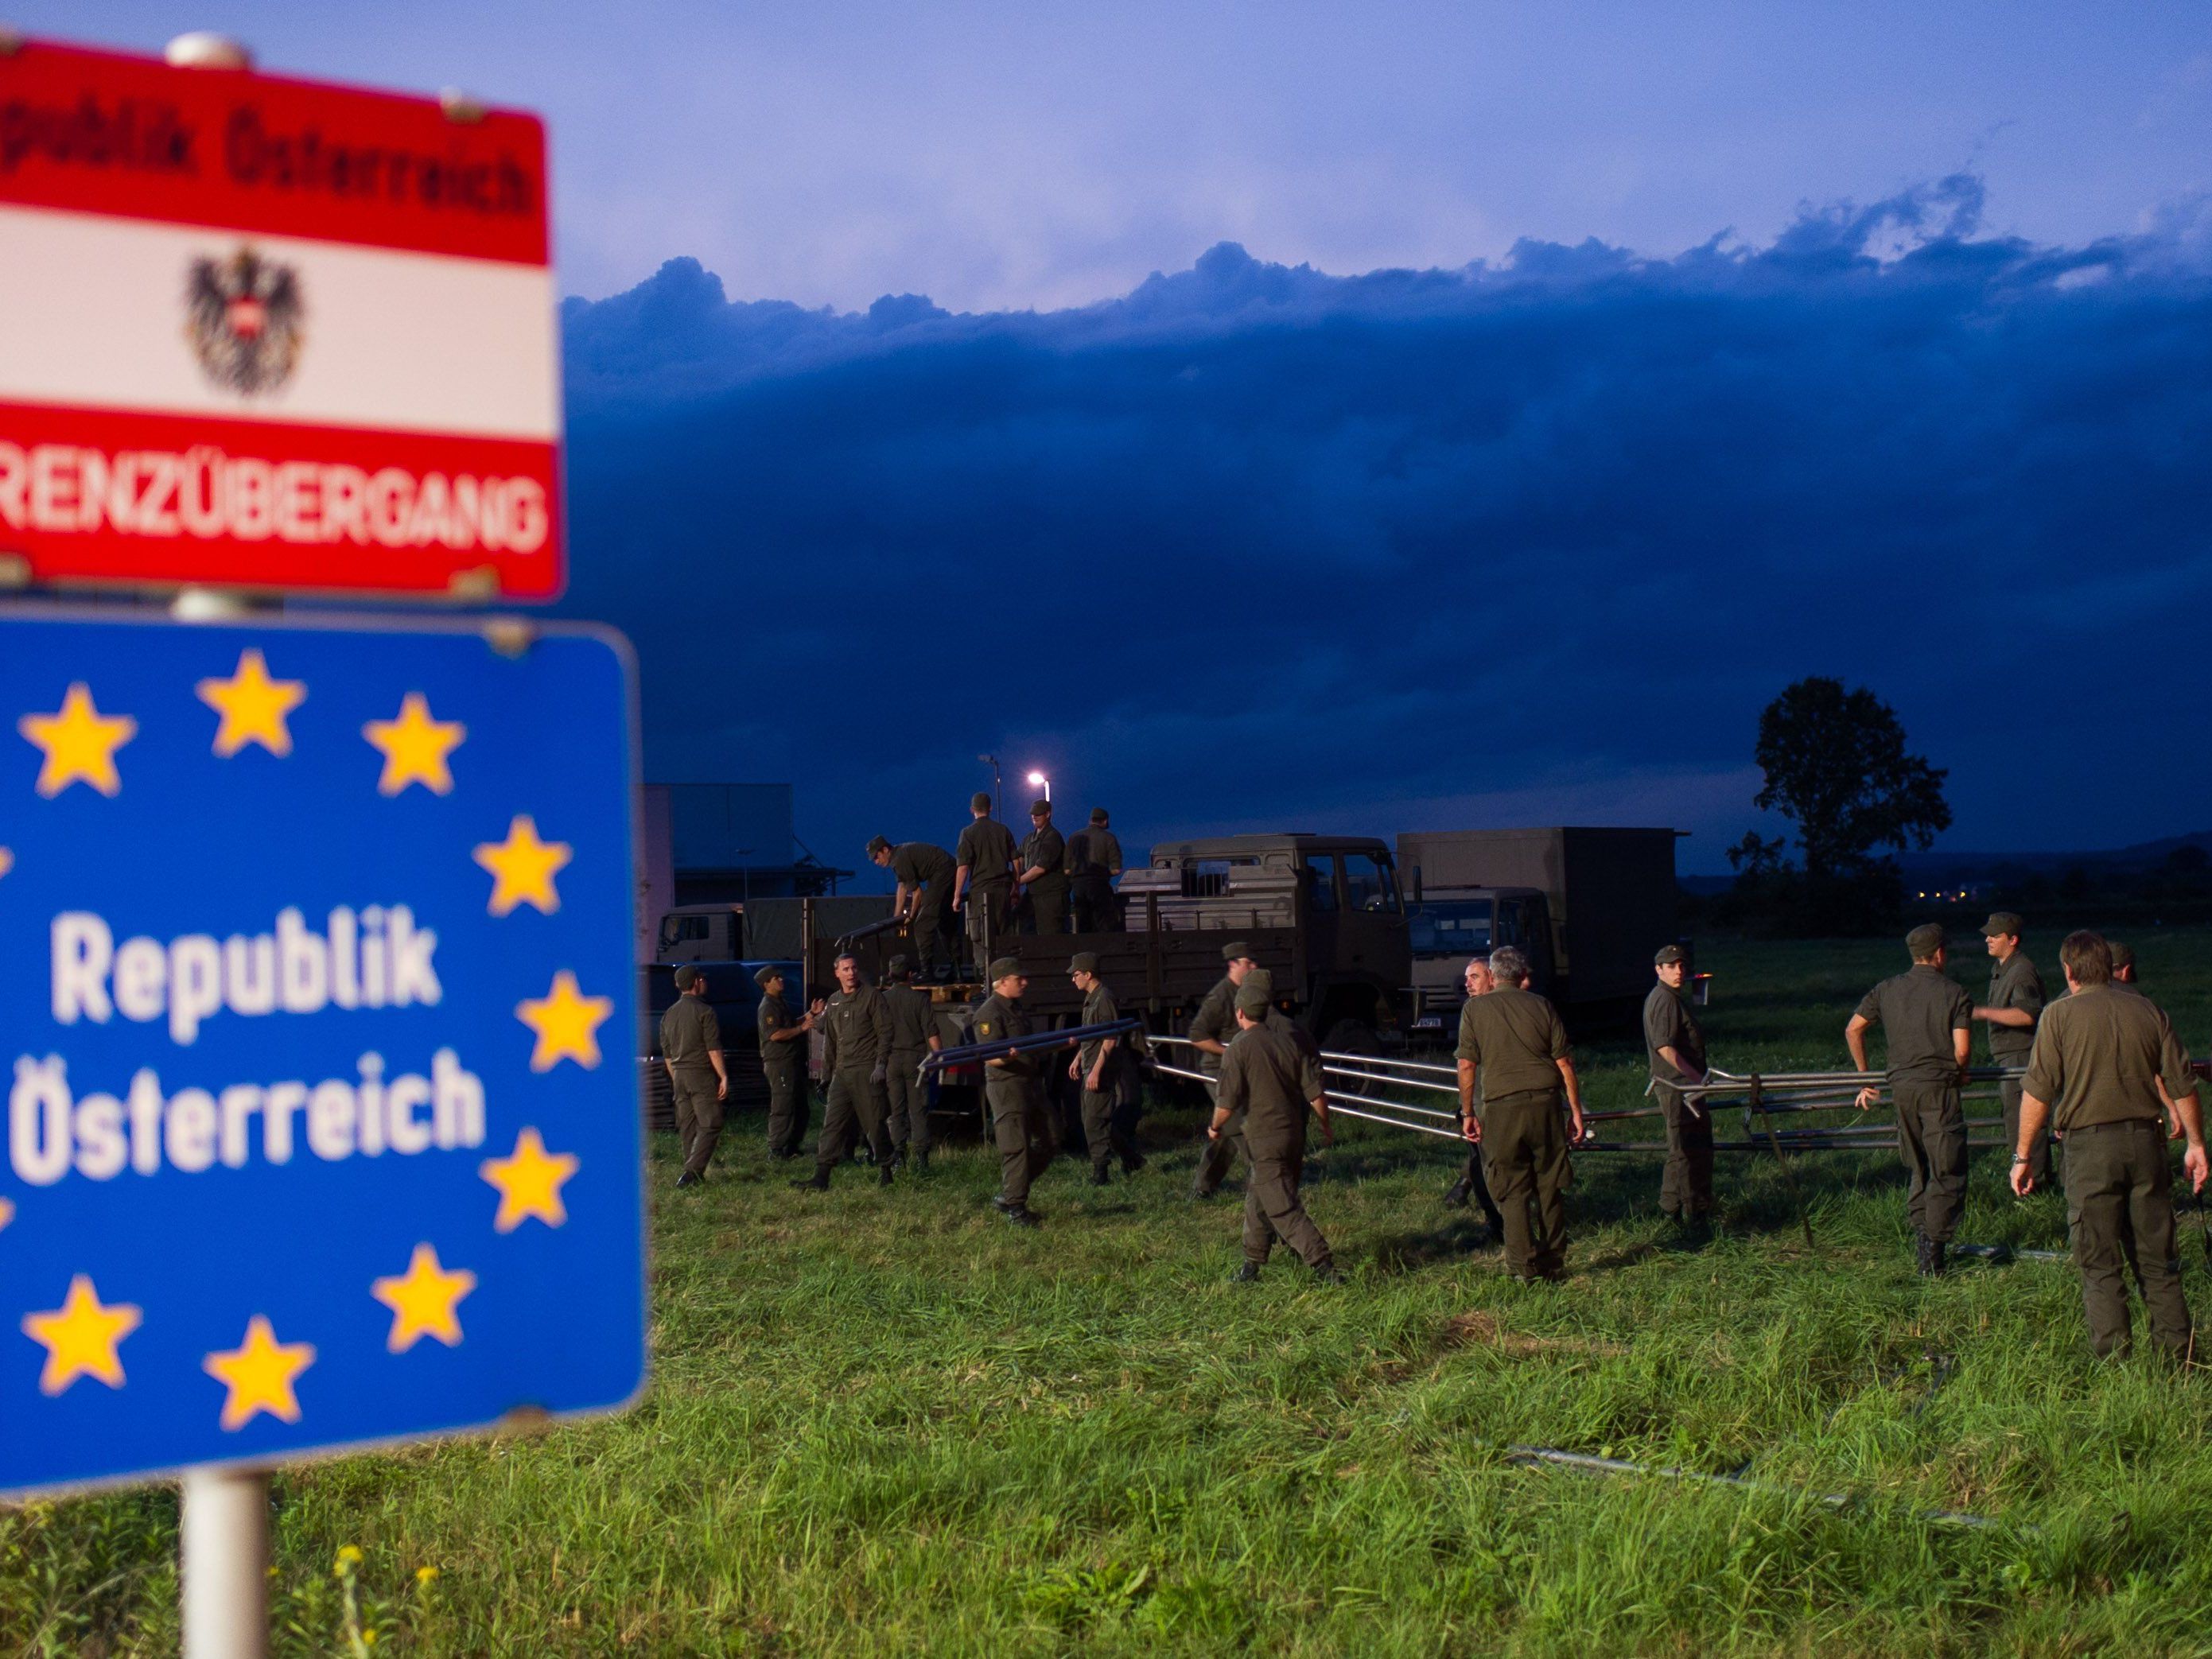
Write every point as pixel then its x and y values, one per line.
pixel 1254 544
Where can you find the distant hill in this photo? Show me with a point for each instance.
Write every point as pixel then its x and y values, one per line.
pixel 1946 865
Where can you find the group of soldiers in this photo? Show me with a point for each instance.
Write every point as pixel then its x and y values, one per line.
pixel 992 885
pixel 2100 1068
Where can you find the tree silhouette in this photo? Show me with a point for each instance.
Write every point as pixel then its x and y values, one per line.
pixel 1836 768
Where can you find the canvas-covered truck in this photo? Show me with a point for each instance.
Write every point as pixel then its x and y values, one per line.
pixel 1588 906
pixel 1324 913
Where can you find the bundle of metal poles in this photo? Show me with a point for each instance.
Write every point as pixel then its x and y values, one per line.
pixel 1371 1074
pixel 1764 1097
pixel 1065 1037
pixel 1372 1087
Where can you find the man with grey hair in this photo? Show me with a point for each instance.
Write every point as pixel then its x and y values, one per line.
pixel 2100 1060
pixel 1479 981
pixel 1513 1040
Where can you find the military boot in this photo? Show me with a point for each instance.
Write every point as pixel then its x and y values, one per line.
pixel 1457 1194
pixel 818 1181
pixel 883 1179
pixel 1927 1255
pixel 1247 1275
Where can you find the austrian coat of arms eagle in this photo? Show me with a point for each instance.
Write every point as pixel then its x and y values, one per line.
pixel 246 319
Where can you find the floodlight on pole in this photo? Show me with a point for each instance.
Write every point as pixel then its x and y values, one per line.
pixel 1038 781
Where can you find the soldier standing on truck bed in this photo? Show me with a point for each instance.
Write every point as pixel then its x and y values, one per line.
pixel 1514 1042
pixel 1211 1030
pixel 1269 1080
pixel 1013 1089
pixel 2015 1001
pixel 984 881
pixel 1929 1020
pixel 924 873
pixel 691 1049
pixel 913 1038
pixel 1094 859
pixel 1101 1066
pixel 1479 982
pixel 855 1056
pixel 1675 1049
pixel 783 1055
pixel 1044 872
pixel 2104 1064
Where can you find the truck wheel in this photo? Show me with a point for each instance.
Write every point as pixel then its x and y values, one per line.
pixel 1356 1037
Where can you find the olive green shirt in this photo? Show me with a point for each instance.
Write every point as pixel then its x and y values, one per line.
pixel 857 1030
pixel 2099 1057
pixel 1094 852
pixel 997 1020
pixel 923 863
pixel 1099 1009
pixel 1214 1022
pixel 1268 1076
pixel 689 1033
pixel 2014 983
pixel 1513 1036
pixel 1668 1024
pixel 1047 853
pixel 1918 1011
pixel 987 848
pixel 914 1021
pixel 773 1017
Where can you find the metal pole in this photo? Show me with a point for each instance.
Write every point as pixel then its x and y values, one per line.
pixel 224 1543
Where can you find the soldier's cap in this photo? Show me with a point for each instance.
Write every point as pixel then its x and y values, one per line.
pixel 1926 939
pixel 766 976
pixel 1083 962
pixel 1040 808
pixel 686 977
pixel 1098 815
pixel 2123 955
pixel 877 844
pixel 1253 1000
pixel 2001 922
pixel 1004 968
pixel 979 802
pixel 1261 977
pixel 1669 953
pixel 1235 949
pixel 899 967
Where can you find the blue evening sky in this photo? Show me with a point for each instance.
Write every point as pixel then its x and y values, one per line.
pixel 1525 394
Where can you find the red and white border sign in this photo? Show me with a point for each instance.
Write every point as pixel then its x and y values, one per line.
pixel 271 334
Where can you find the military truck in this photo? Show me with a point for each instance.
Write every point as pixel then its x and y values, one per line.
pixel 1588 906
pixel 1323 913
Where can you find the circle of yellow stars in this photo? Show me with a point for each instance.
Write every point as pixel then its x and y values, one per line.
pixel 79 743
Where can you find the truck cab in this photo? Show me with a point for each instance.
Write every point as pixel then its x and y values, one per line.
pixel 1448 925
pixel 701 933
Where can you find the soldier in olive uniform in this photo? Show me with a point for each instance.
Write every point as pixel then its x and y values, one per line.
pixel 1013 1089
pixel 1514 1044
pixel 2016 1000
pixel 1269 1080
pixel 983 880
pixel 1929 1020
pixel 783 1057
pixel 1211 1030
pixel 1479 982
pixel 1094 859
pixel 2124 966
pixel 1100 1068
pixel 1675 1049
pixel 2099 1062
pixel 923 901
pixel 913 1038
pixel 691 1049
pixel 856 1051
pixel 1044 872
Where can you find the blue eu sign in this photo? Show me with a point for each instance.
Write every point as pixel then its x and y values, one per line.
pixel 318 1003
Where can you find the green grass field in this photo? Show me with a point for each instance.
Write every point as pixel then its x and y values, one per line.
pixel 885 1422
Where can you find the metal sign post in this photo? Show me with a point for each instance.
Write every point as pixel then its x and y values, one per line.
pixel 225 1564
